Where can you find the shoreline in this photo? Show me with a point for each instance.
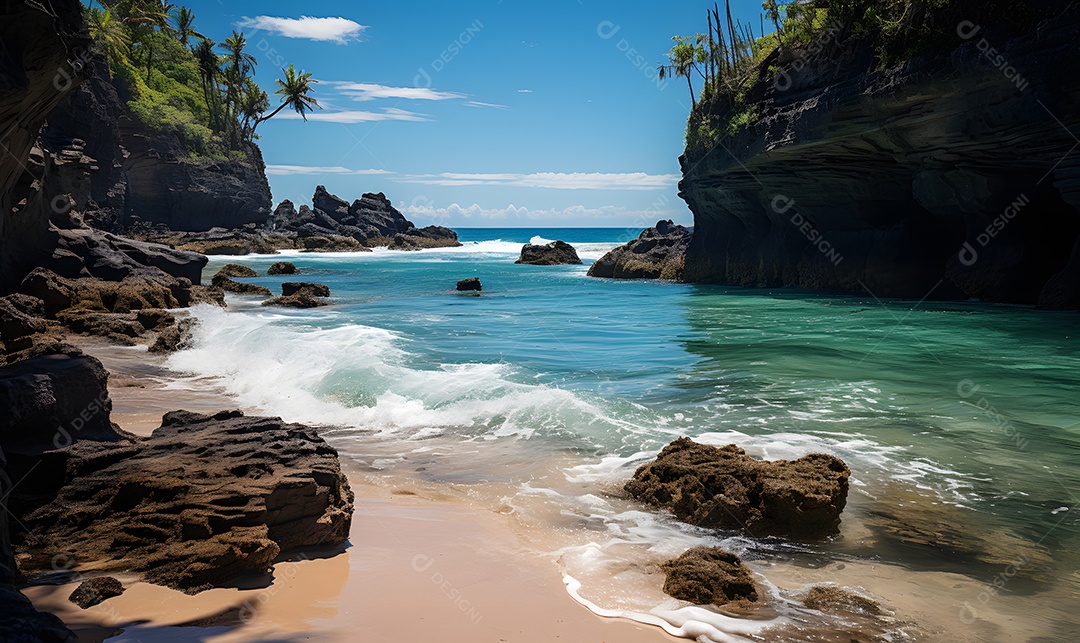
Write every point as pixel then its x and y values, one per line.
pixel 410 549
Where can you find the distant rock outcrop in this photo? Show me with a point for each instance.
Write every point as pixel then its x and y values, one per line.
pixel 371 221
pixel 658 253
pixel 551 254
pixel 725 488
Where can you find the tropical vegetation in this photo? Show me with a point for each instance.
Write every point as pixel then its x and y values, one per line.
pixel 731 59
pixel 175 79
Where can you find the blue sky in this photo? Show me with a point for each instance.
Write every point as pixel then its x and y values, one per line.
pixel 478 113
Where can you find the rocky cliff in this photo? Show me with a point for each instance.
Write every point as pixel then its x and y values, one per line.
pixel 950 175
pixel 137 176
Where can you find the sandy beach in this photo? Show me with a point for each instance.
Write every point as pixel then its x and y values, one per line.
pixel 420 566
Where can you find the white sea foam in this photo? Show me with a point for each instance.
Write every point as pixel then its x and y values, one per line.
pixel 361 377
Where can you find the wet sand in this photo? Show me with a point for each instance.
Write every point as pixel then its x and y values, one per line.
pixel 419 567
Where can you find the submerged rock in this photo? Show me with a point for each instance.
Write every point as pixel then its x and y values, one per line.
pixel 202 501
pixel 552 254
pixel 282 268
pixel 299 300
pixel 658 253
pixel 96 591
pixel 709 575
pixel 725 488
pixel 236 270
pixel 828 598
pixel 471 284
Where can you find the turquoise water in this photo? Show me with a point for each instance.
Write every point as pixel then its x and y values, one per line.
pixel 966 409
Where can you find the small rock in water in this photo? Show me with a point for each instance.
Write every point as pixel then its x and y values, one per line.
pixel 724 488
pixel 236 270
pixel 552 254
pixel 282 268
pixel 96 591
pixel 470 284
pixel 709 575
pixel 315 290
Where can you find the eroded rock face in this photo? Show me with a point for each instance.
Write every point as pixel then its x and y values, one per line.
pixel 140 176
pixel 52 400
pixel 202 501
pixel 658 253
pixel 723 487
pixel 860 179
pixel 551 254
pixel 709 575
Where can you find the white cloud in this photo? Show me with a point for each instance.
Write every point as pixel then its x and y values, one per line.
pixel 349 117
pixel 372 91
pixel 525 91
pixel 511 212
pixel 476 103
pixel 339 30
pixel 286 170
pixel 553 180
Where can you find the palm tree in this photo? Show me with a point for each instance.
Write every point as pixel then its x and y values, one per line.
pixel 235 55
pixel 238 64
pixel 683 59
pixel 253 105
pixel 109 34
pixel 294 90
pixel 208 63
pixel 184 25
pixel 148 15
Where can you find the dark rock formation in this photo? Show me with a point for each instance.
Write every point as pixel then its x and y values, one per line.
pixel 51 401
pixel 136 175
pixel 240 288
pixel 282 268
pixel 472 284
pixel 301 295
pixel 202 501
pixel 725 488
pixel 301 300
pixel 236 270
pixel 173 338
pixel 21 623
pixel 370 221
pixel 288 289
pixel 658 253
pixel 940 177
pixel 96 591
pixel 709 575
pixel 552 254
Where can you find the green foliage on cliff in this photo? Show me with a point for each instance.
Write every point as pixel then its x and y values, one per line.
pixel 176 82
pixel 731 60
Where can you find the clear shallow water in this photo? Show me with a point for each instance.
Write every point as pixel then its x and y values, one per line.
pixel 547 390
